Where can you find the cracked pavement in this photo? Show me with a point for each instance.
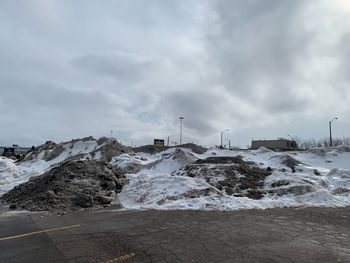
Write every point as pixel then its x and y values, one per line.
pixel 272 235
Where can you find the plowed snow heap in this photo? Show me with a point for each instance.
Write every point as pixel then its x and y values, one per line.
pixel 71 185
pixel 86 148
pixel 231 174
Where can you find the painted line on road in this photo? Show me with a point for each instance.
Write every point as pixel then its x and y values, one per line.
pixel 38 232
pixel 120 259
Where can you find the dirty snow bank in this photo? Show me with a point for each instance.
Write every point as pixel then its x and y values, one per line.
pixel 297 179
pixel 179 178
pixel 47 156
pixel 72 185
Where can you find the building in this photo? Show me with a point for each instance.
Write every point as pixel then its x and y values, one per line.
pixel 280 144
pixel 13 150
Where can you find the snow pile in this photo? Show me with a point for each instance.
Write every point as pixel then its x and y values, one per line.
pixel 49 155
pixel 192 177
pixel 151 149
pixel 85 148
pixel 223 179
pixel 162 191
pixel 55 153
pixel 155 187
pixel 71 185
pixel 135 162
pixel 232 175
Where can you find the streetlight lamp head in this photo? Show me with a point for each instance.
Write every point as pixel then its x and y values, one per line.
pixel 335 118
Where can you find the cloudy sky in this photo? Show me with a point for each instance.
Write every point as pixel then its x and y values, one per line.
pixel 262 69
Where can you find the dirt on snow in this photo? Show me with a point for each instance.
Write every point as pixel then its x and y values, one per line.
pixel 71 185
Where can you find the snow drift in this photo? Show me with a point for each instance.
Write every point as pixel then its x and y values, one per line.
pixel 47 156
pixel 71 185
pixel 226 180
pixel 193 177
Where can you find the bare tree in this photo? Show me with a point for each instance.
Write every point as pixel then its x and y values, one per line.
pixel 305 144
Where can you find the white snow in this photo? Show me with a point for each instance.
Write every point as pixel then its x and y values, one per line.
pixel 8 170
pixel 156 188
pixel 12 174
pixel 75 148
pixel 325 171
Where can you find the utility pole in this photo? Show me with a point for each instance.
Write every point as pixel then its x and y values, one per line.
pixel 181 119
pixel 330 131
pixel 168 141
pixel 222 135
pixel 229 144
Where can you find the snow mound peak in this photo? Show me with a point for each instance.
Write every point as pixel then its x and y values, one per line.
pixel 263 149
pixel 85 148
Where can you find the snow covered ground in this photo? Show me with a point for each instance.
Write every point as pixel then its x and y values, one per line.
pixel 321 177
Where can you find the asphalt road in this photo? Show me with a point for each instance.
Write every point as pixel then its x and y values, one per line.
pixel 274 235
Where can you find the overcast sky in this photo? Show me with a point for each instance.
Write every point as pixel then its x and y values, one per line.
pixel 262 69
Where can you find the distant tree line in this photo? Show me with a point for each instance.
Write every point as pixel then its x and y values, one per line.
pixel 305 144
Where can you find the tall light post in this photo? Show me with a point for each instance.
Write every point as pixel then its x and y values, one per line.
pixel 181 119
pixel 168 141
pixel 229 144
pixel 330 131
pixel 222 135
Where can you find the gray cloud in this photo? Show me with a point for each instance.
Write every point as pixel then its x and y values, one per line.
pixel 121 66
pixel 257 46
pixel 199 109
pixel 259 68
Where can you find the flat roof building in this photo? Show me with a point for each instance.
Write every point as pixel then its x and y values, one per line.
pixel 13 150
pixel 279 144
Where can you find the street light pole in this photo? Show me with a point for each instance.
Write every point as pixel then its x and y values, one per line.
pixel 330 131
pixel 229 144
pixel 222 134
pixel 168 141
pixel 181 119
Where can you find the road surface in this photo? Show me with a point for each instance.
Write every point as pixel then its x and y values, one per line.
pixel 273 235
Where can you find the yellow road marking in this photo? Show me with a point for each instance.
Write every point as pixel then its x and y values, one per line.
pixel 119 259
pixel 39 232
